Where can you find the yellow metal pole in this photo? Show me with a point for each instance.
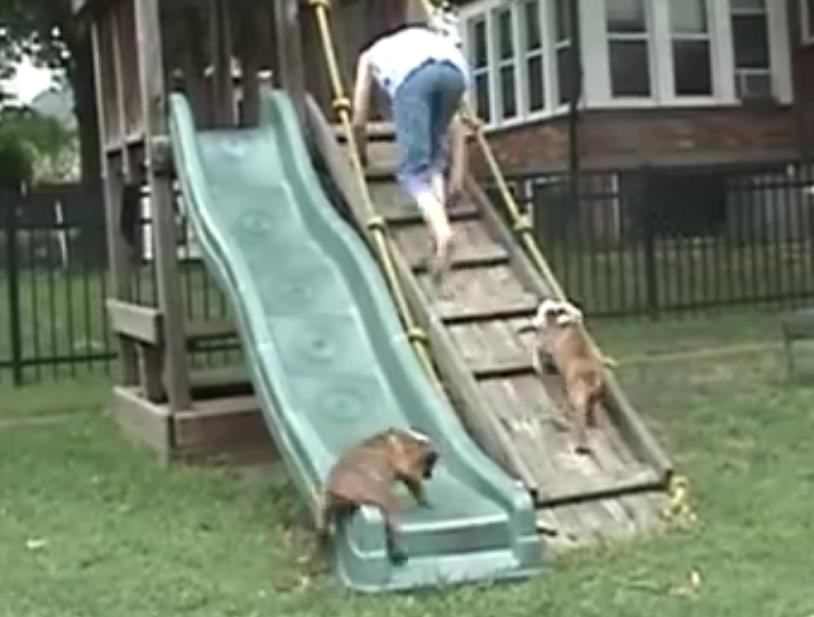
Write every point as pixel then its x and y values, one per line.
pixel 375 222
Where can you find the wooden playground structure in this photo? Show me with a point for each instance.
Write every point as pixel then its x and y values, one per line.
pixel 221 53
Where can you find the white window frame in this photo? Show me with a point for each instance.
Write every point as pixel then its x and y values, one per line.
pixel 477 72
pixel 806 34
pixel 745 72
pixel 722 57
pixel 596 92
pixel 526 56
pixel 708 37
pixel 485 9
pixel 647 37
pixel 502 63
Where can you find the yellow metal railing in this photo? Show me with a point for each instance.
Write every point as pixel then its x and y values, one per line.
pixel 374 221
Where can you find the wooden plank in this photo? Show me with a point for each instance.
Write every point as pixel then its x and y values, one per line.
pixel 141 323
pixel 203 329
pixel 249 20
pixel 151 373
pixel 375 131
pixel 153 96
pixel 230 429
pixel 193 63
pixel 472 245
pixel 117 17
pixel 230 377
pixel 288 36
pixel 488 293
pixel 119 271
pixel 453 313
pixel 220 33
pixel 636 433
pixel 143 421
pixel 411 216
pixel 522 424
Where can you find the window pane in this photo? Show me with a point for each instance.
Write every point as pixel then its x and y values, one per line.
pixel 751 41
pixel 535 83
pixel 626 16
pixel 505 43
pixel 564 73
pixel 561 8
pixel 482 95
pixel 748 5
pixel 693 76
pixel 688 15
pixel 630 70
pixel 508 94
pixel 533 38
pixel 477 39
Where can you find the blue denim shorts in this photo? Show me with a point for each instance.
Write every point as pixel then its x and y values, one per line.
pixel 423 107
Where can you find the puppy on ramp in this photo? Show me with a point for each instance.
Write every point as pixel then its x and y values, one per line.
pixel 561 343
pixel 364 475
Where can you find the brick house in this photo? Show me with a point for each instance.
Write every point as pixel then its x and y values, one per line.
pixel 664 81
pixel 687 84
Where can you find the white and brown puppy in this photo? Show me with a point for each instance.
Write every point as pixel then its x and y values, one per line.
pixel 561 343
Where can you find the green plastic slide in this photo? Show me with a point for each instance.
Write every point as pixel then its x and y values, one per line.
pixel 330 361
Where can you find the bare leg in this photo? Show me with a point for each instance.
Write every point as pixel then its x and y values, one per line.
pixel 436 217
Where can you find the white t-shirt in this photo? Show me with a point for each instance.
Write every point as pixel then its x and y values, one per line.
pixel 394 57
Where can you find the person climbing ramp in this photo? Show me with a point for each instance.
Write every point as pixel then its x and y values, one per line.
pixel 426 76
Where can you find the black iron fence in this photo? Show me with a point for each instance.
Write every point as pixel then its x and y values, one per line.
pixel 639 242
pixel 53 285
pixel 650 240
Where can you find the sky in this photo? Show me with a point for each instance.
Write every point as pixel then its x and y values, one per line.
pixel 29 81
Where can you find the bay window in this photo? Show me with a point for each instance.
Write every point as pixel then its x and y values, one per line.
pixel 807 20
pixel 639 53
pixel 628 48
pixel 690 39
pixel 750 44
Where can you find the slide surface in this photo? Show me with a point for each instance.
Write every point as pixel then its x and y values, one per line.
pixel 329 359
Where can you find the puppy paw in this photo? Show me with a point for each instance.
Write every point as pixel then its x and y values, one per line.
pixel 398 556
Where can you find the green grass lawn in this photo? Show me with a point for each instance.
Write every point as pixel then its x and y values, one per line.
pixel 92 526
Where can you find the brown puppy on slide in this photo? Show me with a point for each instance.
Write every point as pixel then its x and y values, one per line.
pixel 561 342
pixel 364 476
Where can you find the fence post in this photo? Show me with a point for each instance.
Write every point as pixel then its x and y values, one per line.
pixel 15 323
pixel 647 177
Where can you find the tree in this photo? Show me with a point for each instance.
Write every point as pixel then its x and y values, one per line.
pixel 15 163
pixel 51 148
pixel 47 31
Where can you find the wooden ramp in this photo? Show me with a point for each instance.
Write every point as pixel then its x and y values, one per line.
pixel 486 365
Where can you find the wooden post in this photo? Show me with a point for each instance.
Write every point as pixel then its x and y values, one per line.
pixel 221 37
pixel 251 16
pixel 118 262
pixel 289 52
pixel 154 105
pixel 193 64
